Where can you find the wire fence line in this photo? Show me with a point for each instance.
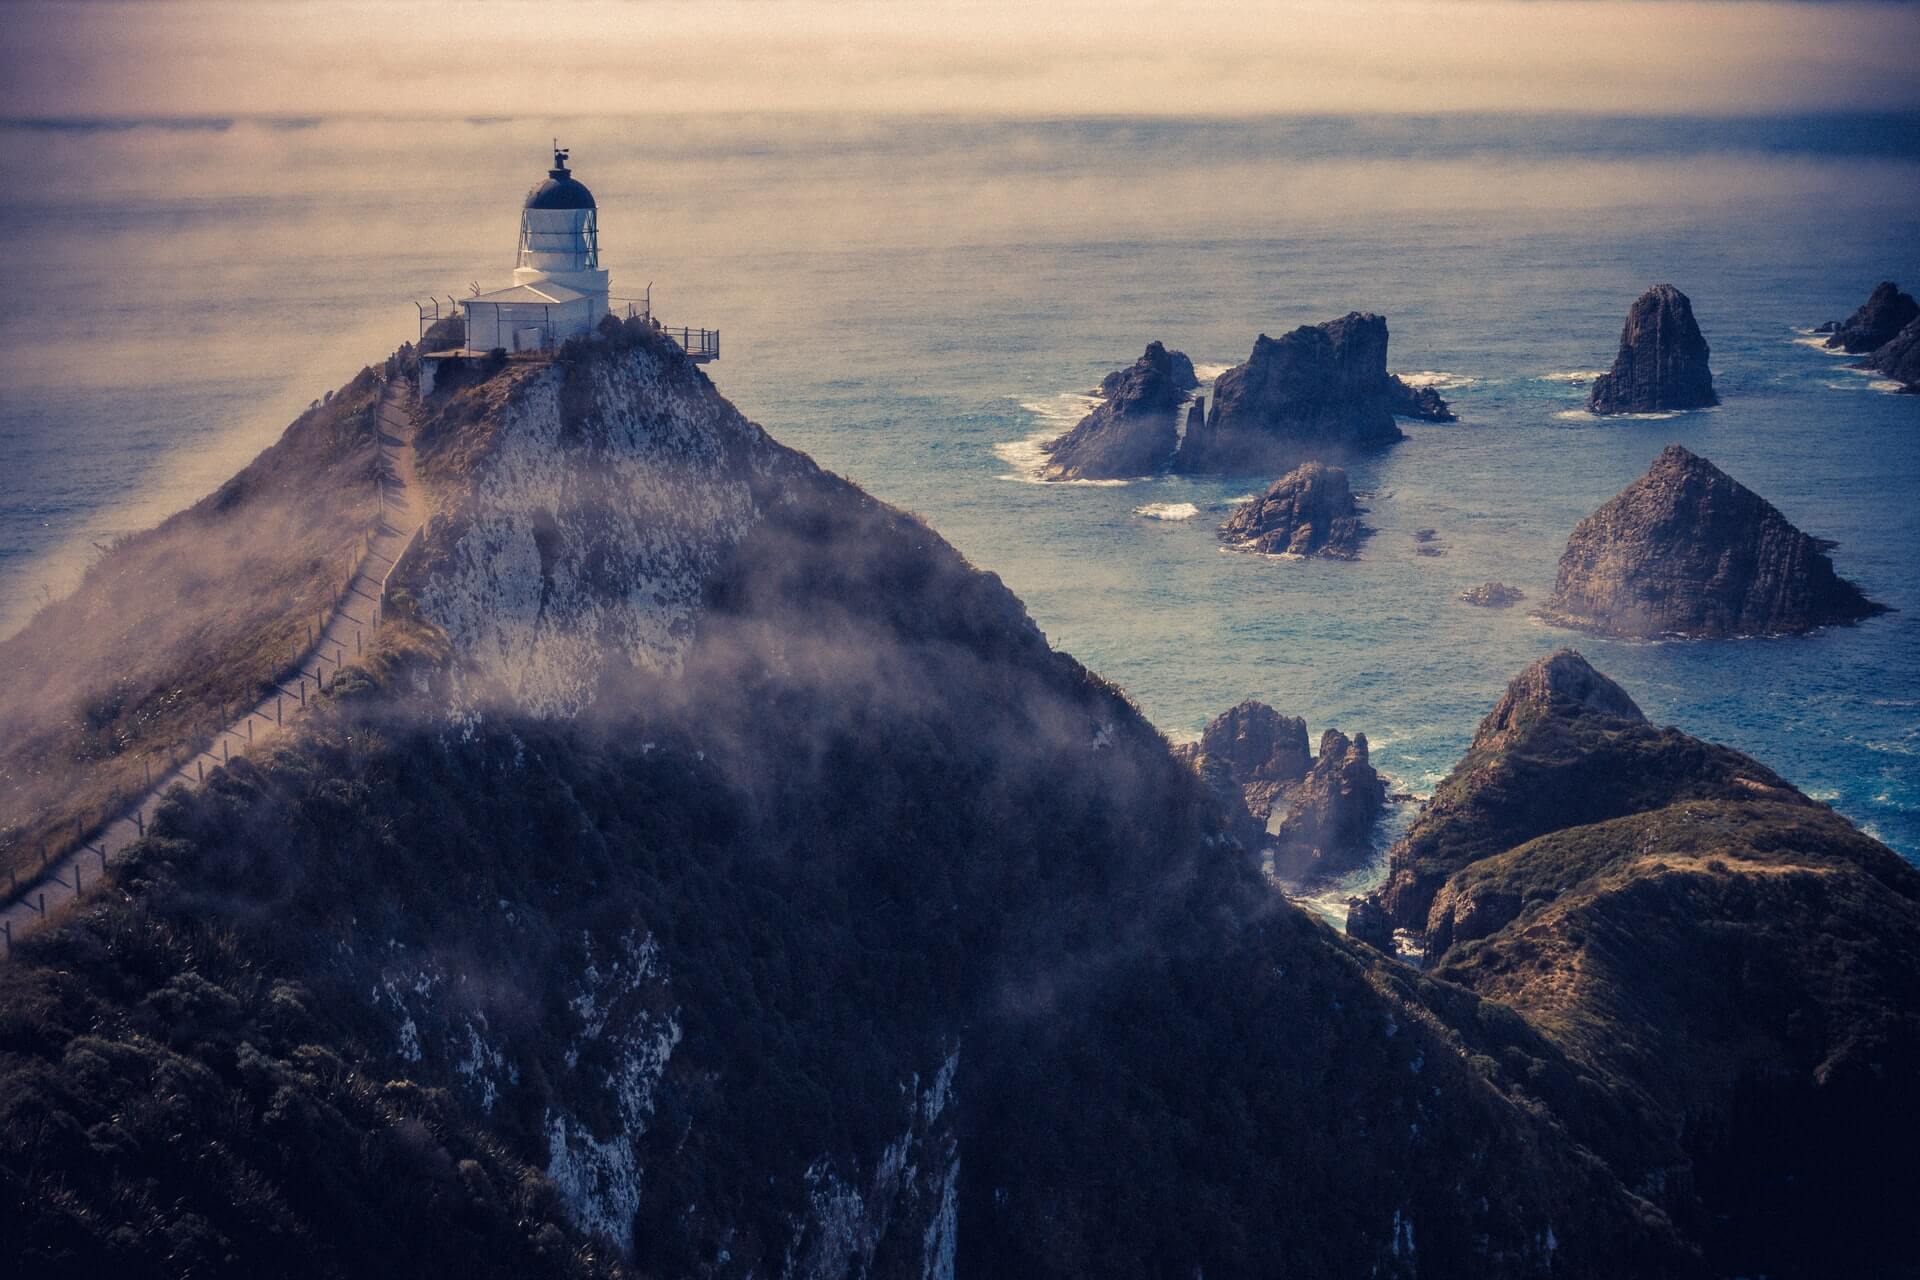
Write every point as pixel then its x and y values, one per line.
pixel 332 637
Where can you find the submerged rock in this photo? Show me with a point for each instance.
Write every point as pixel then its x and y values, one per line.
pixel 1899 359
pixel 1877 321
pixel 1309 511
pixel 1662 363
pixel 1686 550
pixel 1135 429
pixel 1330 813
pixel 1493 595
pixel 1321 391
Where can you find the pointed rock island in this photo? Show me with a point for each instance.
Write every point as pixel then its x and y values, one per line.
pixel 1135 428
pixel 1310 511
pixel 1662 362
pixel 1321 391
pixel 1686 550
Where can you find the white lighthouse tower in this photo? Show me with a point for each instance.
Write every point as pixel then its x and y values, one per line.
pixel 559 289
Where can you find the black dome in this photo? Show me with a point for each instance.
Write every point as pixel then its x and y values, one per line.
pixel 560 191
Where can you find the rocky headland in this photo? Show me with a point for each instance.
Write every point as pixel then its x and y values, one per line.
pixel 1310 511
pixel 1686 550
pixel 1135 428
pixel 707 872
pixel 1695 932
pixel 1662 361
pixel 1876 322
pixel 1321 391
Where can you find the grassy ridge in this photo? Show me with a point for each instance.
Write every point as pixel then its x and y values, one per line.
pixel 176 628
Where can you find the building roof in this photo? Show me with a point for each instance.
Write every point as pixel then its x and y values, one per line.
pixel 535 294
pixel 560 190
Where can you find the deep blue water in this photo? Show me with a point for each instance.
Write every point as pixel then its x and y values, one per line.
pixel 911 300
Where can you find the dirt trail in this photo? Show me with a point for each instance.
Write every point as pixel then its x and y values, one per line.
pixel 346 632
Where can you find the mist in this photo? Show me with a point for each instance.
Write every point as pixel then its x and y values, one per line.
pixel 992 56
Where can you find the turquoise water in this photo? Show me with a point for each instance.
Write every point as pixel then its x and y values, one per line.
pixel 913 301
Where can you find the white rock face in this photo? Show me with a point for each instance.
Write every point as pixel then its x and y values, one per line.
pixel 621 1048
pixel 915 1180
pixel 591 528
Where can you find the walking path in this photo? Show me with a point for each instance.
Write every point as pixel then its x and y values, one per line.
pixel 345 634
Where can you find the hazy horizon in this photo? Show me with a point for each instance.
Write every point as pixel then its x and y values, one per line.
pixel 214 58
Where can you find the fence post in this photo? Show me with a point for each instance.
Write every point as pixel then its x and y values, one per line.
pixel 76 878
pixel 224 754
pixel 249 728
pixel 201 765
pixel 139 822
pixel 8 926
pixel 356 642
pixel 277 697
pixel 102 851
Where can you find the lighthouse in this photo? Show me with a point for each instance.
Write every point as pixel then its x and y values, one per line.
pixel 559 289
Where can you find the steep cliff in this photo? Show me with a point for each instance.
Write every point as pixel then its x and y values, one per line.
pixel 1700 936
pixel 1321 391
pixel 1686 550
pixel 1134 429
pixel 711 874
pixel 1662 361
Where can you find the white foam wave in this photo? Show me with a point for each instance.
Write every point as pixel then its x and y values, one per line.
pixel 1168 511
pixel 1029 462
pixel 1882 384
pixel 1818 342
pixel 1573 375
pixel 1242 500
pixel 1066 409
pixel 1209 372
pixel 1581 415
pixel 1438 378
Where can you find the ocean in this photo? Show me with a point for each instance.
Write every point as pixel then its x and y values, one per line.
pixel 917 301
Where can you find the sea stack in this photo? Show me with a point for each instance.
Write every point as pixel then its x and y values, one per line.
pixel 1310 511
pixel 1255 760
pixel 1321 391
pixel 1136 426
pixel 1662 362
pixel 1330 812
pixel 1688 551
pixel 1882 316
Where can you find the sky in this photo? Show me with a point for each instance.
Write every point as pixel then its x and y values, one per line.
pixel 489 58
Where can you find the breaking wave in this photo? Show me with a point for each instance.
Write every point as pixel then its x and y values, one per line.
pixel 1168 511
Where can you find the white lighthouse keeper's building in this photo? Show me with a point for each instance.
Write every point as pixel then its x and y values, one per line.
pixel 559 290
